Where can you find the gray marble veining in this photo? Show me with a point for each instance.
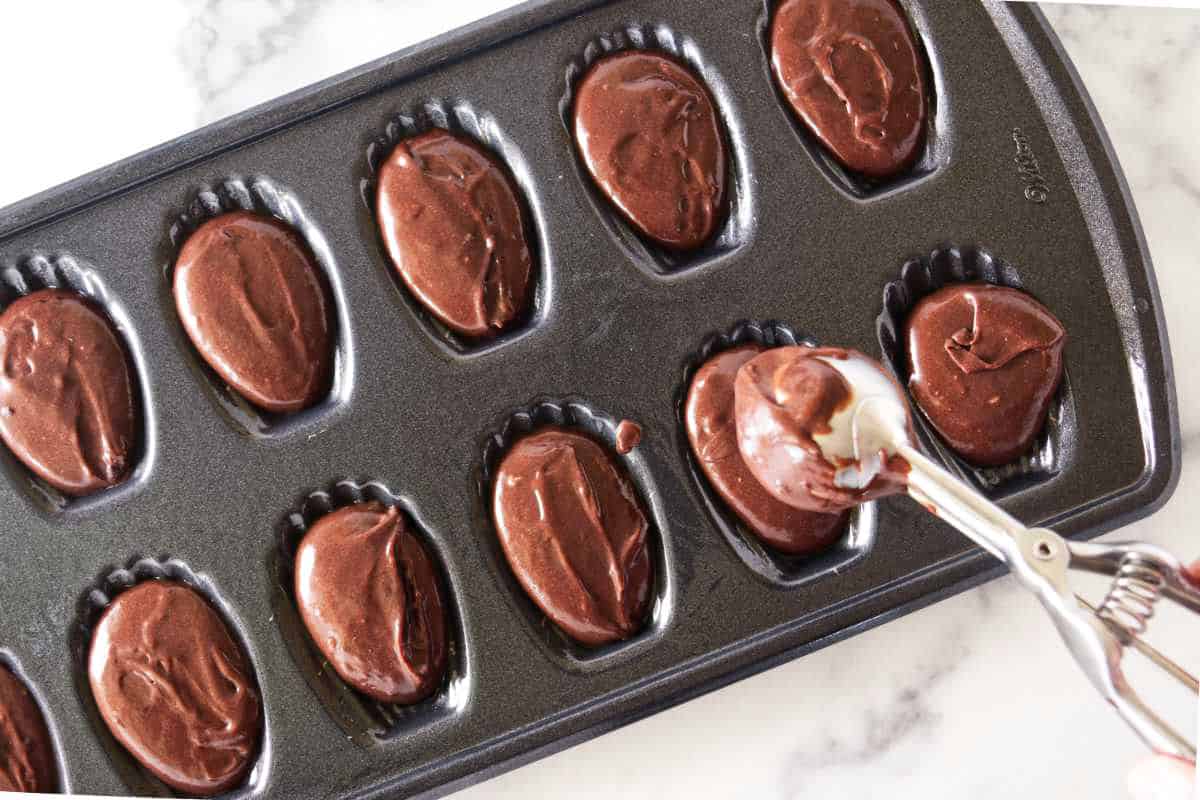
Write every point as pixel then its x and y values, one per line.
pixel 226 43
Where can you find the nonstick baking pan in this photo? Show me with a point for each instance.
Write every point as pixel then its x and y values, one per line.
pixel 1017 184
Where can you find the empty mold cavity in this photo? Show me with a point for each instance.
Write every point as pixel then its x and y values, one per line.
pixel 737 225
pixel 460 117
pixel 95 599
pixel 935 149
pixel 922 276
pixel 581 418
pixel 773 566
pixel 61 271
pixel 363 719
pixel 262 196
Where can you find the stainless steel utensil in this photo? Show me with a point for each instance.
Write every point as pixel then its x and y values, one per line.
pixel 1040 560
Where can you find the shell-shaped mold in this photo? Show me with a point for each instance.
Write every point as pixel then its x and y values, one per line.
pixel 461 118
pixel 63 271
pixel 919 277
pixel 365 720
pixel 262 196
pixel 934 153
pixel 94 600
pixel 738 222
pixel 578 416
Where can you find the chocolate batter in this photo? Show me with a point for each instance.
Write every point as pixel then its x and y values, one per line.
pixel 371 599
pixel 985 362
pixel 26 749
pixel 574 534
pixel 785 397
pixel 256 307
pixel 648 132
pixel 175 689
pixel 453 226
pixel 854 76
pixel 629 435
pixel 67 408
pixel 712 432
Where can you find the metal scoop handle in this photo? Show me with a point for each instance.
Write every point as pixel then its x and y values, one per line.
pixel 1039 559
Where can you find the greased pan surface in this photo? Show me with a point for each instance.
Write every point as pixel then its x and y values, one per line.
pixel 1017 177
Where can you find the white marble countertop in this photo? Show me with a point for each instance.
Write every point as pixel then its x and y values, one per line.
pixel 973 697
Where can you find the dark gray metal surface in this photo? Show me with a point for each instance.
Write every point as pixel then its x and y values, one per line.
pixel 615 333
